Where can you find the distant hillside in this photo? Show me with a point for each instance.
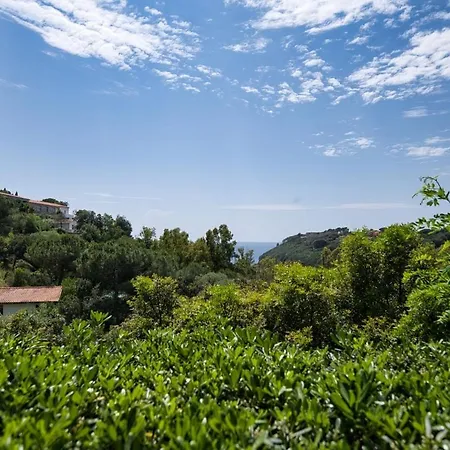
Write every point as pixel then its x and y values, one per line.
pixel 307 248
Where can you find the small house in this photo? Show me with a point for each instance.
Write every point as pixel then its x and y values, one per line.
pixel 14 299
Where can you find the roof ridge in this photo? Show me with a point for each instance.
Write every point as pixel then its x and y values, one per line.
pixel 30 287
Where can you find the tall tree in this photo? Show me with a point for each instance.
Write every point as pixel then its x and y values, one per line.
pixel 221 247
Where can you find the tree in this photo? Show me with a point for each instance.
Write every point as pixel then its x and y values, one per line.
pixel 123 224
pixel 175 243
pixel 155 298
pixel 221 247
pixel 112 264
pixel 245 262
pixel 396 245
pixel 147 237
pixel 360 276
pixel 55 253
pixel 101 228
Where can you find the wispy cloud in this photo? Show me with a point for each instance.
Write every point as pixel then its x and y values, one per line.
pixel 251 46
pixel 10 85
pixel 250 90
pixel 359 40
pixel 420 111
pixel 176 80
pixel 421 150
pixel 121 197
pixel 117 88
pixel 426 151
pixel 105 30
pixel 279 207
pixel 209 71
pixel 348 146
pixel 436 140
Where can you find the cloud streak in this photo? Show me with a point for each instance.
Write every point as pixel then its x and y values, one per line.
pixel 121 197
pixel 280 207
pixel 10 85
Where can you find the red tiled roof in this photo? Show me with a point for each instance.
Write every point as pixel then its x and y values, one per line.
pixel 30 294
pixel 35 202
pixel 54 205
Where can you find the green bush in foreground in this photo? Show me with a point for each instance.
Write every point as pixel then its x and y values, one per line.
pixel 219 389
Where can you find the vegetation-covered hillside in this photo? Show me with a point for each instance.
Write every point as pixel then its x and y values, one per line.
pixel 307 248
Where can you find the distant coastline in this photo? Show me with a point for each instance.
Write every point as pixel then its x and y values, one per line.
pixel 259 248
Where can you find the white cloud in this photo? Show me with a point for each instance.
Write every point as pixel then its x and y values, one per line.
pixel 9 84
pixel 153 11
pixel 318 15
pixel 209 71
pixel 418 112
pixel 348 146
pixel 267 89
pixel 250 90
pixel 251 46
pixel 331 152
pixel 436 140
pixel 190 88
pixel 426 151
pixel 363 142
pixel 415 113
pixel 314 62
pixel 359 40
pixel 287 94
pixel 171 77
pixel 417 70
pixel 105 30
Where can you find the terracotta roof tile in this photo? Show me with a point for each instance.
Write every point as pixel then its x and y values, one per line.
pixel 30 294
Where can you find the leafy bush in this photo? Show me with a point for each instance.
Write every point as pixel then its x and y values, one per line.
pixel 155 298
pixel 302 297
pixel 428 315
pixel 220 388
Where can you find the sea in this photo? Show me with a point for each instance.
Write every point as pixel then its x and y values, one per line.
pixel 259 248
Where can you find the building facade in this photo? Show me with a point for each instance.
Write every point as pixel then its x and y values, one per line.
pixel 59 213
pixel 15 299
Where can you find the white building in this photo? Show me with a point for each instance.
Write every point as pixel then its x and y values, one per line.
pixel 14 299
pixel 58 212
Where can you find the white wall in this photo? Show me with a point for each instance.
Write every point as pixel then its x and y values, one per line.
pixel 12 308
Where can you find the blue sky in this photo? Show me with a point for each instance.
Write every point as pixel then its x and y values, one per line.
pixel 272 116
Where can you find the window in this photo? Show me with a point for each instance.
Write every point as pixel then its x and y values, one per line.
pixel 1 310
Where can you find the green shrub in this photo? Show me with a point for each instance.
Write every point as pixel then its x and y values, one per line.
pixel 302 297
pixel 428 313
pixel 219 389
pixel 155 298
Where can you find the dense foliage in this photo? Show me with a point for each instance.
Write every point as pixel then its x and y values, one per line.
pixel 223 388
pixel 169 343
